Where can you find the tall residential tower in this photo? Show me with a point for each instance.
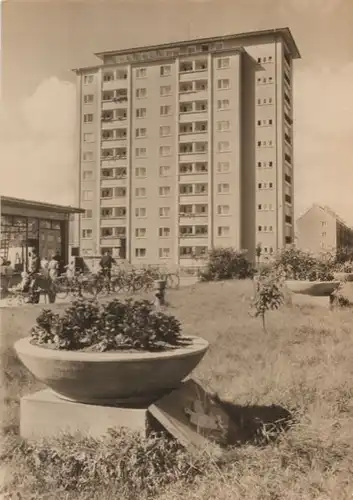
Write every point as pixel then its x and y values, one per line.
pixel 187 146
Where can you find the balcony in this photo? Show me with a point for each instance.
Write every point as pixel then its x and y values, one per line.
pixel 187 69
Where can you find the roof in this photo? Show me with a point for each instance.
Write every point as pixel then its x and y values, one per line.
pixel 20 202
pixel 284 32
pixel 328 210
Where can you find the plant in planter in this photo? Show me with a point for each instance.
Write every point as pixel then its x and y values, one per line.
pixel 118 351
pixel 115 326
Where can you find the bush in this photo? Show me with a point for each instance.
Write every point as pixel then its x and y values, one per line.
pixel 227 263
pixel 296 264
pixel 116 325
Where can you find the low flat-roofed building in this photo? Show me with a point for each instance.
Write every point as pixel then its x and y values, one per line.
pixel 27 224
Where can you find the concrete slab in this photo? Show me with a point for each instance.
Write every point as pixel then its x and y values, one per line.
pixel 45 415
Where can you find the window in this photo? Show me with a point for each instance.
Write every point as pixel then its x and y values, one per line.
pixel 223 209
pixel 140 192
pixel 141 72
pixel 107 193
pixel 164 253
pixel 201 230
pixel 200 64
pixel 140 172
pixel 223 188
pixel 164 130
pixel 88 118
pixel 141 132
pixel 200 105
pixel 140 152
pixel 164 211
pixel 107 135
pixel 223 146
pixel 201 167
pixel 86 233
pixel 164 171
pixel 107 232
pixel 164 232
pixel 288 198
pixel 165 70
pixel 223 62
pixel 121 172
pixel 120 212
pixel 185 251
pixel 140 212
pixel 223 167
pixel 288 219
pixel 185 168
pixel 141 93
pixel 164 191
pixel 185 87
pixel 88 137
pixel 108 76
pixel 141 113
pixel 140 232
pixel 87 214
pixel 106 212
pixel 185 66
pixel 223 125
pixel 223 231
pixel 223 84
pixel 87 175
pixel 87 195
pixel 87 79
pixel 200 188
pixel 223 104
pixel 323 223
pixel 88 98
pixel 165 90
pixel 201 147
pixel 165 151
pixel 120 192
pixel 186 189
pixel 88 156
pixel 185 107
pixel 201 85
pixel 108 172
pixel 140 252
pixel 165 110
pixel 121 74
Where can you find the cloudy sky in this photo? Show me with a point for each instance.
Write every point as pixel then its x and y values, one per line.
pixel 42 40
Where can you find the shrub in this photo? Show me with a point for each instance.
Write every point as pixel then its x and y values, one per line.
pixel 299 265
pixel 116 325
pixel 227 263
pixel 268 295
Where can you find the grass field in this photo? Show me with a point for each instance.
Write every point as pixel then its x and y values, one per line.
pixel 302 366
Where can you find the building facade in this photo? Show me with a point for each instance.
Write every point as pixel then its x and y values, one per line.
pixel 321 230
pixel 187 146
pixel 29 224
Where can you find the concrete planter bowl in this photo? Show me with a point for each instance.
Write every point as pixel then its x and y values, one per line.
pixel 313 288
pixel 111 378
pixel 343 276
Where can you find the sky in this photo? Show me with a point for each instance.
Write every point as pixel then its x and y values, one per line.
pixel 43 40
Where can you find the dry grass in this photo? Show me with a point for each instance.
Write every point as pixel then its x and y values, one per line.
pixel 304 365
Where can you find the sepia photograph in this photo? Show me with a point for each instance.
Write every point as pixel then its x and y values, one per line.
pixel 176 249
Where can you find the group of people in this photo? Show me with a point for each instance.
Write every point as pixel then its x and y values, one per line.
pixel 51 268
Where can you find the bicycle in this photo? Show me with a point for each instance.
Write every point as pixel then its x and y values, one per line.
pixel 77 285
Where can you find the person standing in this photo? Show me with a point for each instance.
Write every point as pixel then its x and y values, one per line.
pixel 106 264
pixel 53 267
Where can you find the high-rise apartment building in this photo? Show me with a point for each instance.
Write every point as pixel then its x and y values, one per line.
pixel 187 146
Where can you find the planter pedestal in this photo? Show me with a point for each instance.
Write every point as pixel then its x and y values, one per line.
pixel 310 300
pixel 45 415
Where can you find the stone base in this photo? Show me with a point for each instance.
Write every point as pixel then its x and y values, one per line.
pixel 45 415
pixel 300 299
